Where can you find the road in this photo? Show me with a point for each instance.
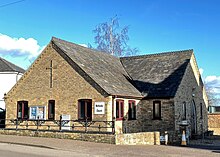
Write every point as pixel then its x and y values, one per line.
pixel 14 150
pixel 25 146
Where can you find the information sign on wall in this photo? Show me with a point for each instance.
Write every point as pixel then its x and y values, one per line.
pixel 99 107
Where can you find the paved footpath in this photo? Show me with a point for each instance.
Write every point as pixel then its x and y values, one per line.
pixel 100 149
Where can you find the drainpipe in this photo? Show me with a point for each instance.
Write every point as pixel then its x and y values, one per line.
pixel 17 77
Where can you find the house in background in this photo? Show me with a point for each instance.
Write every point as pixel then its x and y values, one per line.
pixel 9 75
pixel 158 92
pixel 214 109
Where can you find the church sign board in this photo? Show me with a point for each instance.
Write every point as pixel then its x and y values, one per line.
pixel 99 107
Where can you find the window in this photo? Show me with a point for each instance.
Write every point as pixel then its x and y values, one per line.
pixel 85 109
pixel 217 109
pixel 51 109
pixel 131 110
pixel 156 110
pixel 22 110
pixel 37 112
pixel 119 109
pixel 184 111
pixel 201 112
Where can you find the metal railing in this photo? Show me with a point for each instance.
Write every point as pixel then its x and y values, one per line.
pixel 85 126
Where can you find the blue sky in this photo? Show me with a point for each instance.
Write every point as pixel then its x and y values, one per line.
pixel 154 26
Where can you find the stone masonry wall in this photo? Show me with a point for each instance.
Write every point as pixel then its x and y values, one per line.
pixel 68 88
pixel 145 122
pixel 99 138
pixel 142 138
pixel 214 122
pixel 190 90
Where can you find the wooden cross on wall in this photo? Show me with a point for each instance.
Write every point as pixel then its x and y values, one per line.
pixel 51 73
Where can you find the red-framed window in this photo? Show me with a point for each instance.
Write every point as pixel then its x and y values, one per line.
pixel 22 109
pixel 131 110
pixel 119 109
pixel 51 109
pixel 157 110
pixel 85 109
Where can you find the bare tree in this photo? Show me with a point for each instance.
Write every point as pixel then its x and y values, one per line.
pixel 213 98
pixel 112 39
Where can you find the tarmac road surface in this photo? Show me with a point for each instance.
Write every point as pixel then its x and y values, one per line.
pixel 22 146
pixel 13 150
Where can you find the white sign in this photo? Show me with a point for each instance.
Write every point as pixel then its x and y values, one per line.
pixel 65 122
pixel 99 107
pixel 162 138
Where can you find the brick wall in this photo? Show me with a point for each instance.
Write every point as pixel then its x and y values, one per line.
pixel 214 122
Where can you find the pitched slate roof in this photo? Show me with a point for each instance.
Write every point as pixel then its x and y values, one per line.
pixel 6 66
pixel 103 71
pixel 158 75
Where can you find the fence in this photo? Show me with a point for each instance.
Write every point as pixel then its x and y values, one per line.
pixel 86 126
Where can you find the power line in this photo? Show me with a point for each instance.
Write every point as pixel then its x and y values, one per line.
pixel 5 5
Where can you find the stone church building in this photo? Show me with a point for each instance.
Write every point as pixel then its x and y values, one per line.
pixel 157 92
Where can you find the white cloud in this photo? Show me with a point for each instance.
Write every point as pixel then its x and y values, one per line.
pixel 201 71
pixel 19 46
pixel 214 83
pixel 84 45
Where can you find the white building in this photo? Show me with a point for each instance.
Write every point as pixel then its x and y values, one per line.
pixel 9 75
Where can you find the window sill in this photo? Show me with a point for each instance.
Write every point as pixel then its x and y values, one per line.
pixel 119 119
pixel 132 119
pixel 157 119
pixel 84 119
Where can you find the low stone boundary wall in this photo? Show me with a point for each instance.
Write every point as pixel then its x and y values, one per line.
pixel 100 138
pixel 142 138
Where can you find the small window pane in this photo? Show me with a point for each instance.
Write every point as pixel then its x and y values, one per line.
pixel 184 111
pixel 132 110
pixel 156 110
pixel 117 109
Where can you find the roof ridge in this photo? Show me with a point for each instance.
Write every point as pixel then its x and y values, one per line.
pixel 158 54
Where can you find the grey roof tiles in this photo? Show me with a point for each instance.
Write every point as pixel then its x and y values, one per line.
pixel 157 75
pixel 6 66
pixel 106 70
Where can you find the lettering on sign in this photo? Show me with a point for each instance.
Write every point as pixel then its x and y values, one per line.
pixel 99 107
